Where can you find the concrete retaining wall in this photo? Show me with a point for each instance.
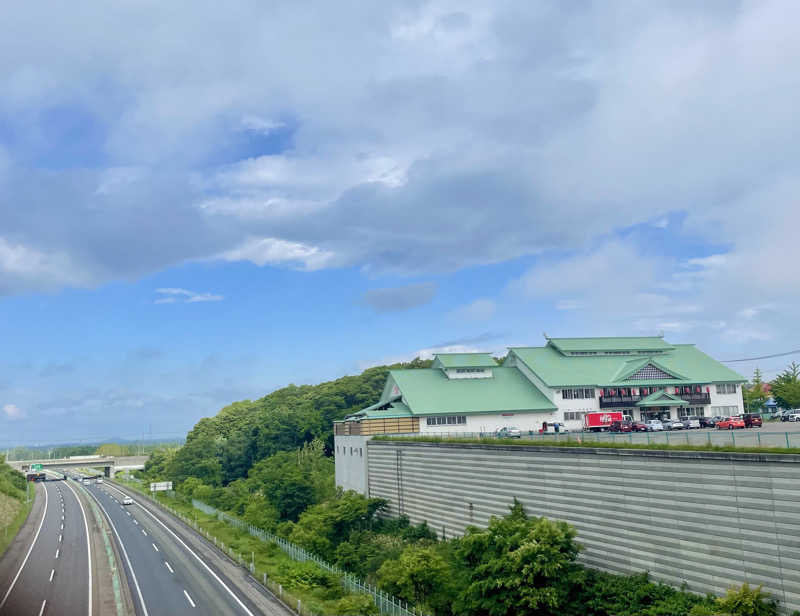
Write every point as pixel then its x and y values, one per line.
pixel 711 520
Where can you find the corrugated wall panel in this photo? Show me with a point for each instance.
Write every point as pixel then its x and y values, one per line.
pixel 710 520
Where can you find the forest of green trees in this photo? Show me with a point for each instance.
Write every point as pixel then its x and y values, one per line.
pixel 269 461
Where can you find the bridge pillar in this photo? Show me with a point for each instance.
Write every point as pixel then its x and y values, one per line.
pixel 107 471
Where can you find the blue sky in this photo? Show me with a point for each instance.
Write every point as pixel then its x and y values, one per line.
pixel 199 206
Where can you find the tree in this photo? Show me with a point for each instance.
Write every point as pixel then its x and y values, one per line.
pixel 786 387
pixel 421 575
pixel 754 394
pixel 517 566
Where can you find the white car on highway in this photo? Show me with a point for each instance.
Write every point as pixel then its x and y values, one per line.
pixel 127 501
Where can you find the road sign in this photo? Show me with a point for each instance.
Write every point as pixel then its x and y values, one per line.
pixel 36 467
pixel 160 486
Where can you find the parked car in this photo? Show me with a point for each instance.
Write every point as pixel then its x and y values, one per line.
pixel 670 424
pixel 508 432
pixel 639 426
pixel 730 423
pixel 620 426
pixel 794 416
pixel 707 422
pixel 752 420
pixel 693 421
pixel 654 425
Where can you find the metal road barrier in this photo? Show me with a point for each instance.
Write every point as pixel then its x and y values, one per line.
pixel 748 437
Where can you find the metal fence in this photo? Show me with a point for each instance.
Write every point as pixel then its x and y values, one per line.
pixel 387 604
pixel 728 438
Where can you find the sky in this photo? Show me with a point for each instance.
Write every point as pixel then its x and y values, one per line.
pixel 200 203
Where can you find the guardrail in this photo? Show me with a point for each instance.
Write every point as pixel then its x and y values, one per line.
pixel 748 437
pixel 387 604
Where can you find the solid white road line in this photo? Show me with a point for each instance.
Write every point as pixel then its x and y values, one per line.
pixel 30 549
pixel 125 554
pixel 168 567
pixel 155 547
pixel 188 598
pixel 41 611
pixel 88 545
pixel 52 573
pixel 192 552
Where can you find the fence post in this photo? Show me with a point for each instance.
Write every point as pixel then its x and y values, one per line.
pixel 787 439
pixel 708 434
pixel 733 438
pixel 758 434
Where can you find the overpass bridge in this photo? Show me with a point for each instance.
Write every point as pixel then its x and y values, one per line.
pixel 109 464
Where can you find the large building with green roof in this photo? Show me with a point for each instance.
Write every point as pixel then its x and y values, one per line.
pixel 558 383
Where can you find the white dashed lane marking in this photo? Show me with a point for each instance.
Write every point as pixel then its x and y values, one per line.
pixel 188 598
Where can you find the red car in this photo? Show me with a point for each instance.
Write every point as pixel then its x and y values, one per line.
pixel 639 426
pixel 729 423
pixel 620 426
pixel 752 420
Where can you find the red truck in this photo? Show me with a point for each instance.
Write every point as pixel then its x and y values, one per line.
pixel 601 421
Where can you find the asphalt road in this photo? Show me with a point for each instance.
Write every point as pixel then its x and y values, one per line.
pixel 52 575
pixel 165 576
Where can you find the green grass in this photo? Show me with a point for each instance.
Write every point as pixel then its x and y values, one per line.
pixel 268 557
pixel 9 532
pixel 591 444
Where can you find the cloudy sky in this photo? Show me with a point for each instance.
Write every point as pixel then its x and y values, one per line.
pixel 202 202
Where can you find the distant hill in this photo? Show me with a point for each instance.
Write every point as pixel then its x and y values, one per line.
pixel 223 448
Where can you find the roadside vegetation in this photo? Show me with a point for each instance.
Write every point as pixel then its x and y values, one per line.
pixel 269 463
pixel 13 508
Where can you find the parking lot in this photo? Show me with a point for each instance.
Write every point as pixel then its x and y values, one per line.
pixel 772 434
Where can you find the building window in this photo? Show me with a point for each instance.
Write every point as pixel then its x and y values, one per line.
pixel 724 411
pixel 360 452
pixel 577 394
pixel 446 420
pixel 469 370
pixel 574 415
pixel 726 388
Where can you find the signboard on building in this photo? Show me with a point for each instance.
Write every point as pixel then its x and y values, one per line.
pixel 36 467
pixel 160 486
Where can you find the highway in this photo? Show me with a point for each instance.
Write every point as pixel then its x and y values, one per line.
pixel 165 575
pixel 52 574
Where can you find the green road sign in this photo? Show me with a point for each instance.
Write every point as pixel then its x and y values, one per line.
pixel 36 467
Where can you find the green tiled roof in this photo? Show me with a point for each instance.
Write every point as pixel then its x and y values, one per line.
pixel 464 360
pixel 428 391
pixel 684 360
pixel 644 343
pixel 661 398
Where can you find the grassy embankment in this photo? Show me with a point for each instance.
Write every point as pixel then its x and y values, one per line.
pixel 591 444
pixel 317 590
pixel 13 511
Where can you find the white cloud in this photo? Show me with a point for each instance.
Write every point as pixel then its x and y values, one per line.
pixel 272 251
pixel 12 411
pixel 174 295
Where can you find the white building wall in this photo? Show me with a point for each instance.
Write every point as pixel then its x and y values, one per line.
pixel 726 400
pixel 585 405
pixel 351 462
pixel 489 422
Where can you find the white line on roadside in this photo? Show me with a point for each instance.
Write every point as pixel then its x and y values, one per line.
pixel 125 554
pixel 155 547
pixel 188 598
pixel 52 573
pixel 41 611
pixel 88 545
pixel 168 567
pixel 30 549
pixel 193 553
